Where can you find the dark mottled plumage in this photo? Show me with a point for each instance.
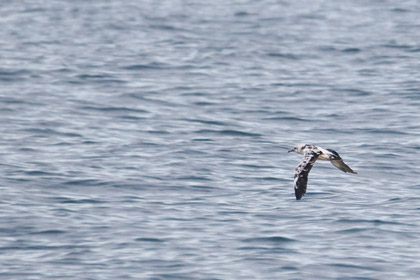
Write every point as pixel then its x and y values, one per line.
pixel 311 154
pixel 302 172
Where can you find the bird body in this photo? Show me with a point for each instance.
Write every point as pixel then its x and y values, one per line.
pixel 312 153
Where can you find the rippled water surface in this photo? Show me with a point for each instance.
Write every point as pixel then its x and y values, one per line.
pixel 148 139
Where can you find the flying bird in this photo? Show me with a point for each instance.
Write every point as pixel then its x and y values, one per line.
pixel 311 153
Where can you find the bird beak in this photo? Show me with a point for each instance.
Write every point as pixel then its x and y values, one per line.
pixel 290 151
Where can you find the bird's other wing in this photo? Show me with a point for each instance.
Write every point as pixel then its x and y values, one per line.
pixel 302 171
pixel 339 163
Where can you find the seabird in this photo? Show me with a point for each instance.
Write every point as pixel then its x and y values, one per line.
pixel 311 154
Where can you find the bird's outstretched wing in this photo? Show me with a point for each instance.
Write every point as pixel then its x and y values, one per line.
pixel 302 171
pixel 339 163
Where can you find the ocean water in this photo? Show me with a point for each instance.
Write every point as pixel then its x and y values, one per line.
pixel 148 139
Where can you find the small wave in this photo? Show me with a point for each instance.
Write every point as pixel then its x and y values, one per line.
pixel 94 78
pixel 288 119
pixel 229 132
pixel 43 247
pixel 39 173
pixel 49 232
pixel 373 221
pixel 352 230
pixel 351 50
pixel 114 109
pixel 193 178
pixel 68 200
pixel 209 122
pixel 12 75
pixel 49 131
pixel 382 131
pixel 352 266
pixel 150 66
pixel 283 55
pixel 149 239
pixel 85 182
pixel 271 239
pixel 202 140
pixel 242 14
pixel 400 10
pixel 352 91
pixel 397 46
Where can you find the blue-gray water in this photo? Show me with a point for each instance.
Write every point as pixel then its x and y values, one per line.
pixel 148 139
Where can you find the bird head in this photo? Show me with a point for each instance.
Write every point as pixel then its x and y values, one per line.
pixel 298 148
